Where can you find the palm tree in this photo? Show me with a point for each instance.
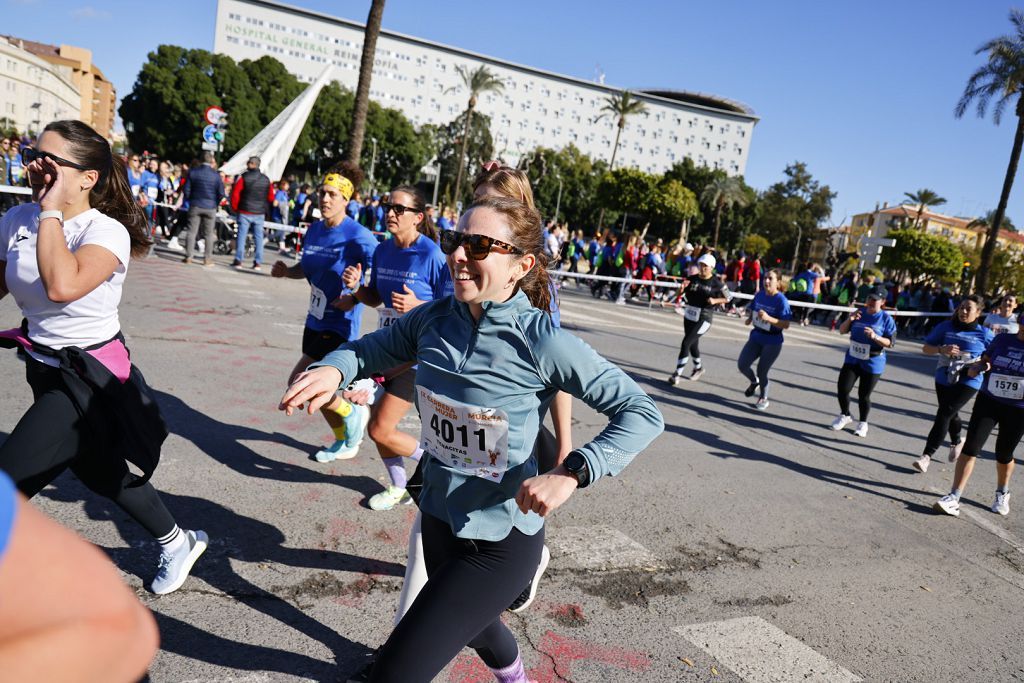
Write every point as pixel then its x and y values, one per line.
pixel 362 102
pixel 619 106
pixel 1000 77
pixel 477 82
pixel 721 194
pixel 924 198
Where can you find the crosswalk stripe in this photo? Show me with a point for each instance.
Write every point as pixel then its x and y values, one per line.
pixel 759 652
pixel 601 548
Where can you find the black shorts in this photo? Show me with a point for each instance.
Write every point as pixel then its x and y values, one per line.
pixel 317 344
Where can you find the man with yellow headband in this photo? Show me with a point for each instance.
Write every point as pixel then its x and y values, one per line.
pixel 332 244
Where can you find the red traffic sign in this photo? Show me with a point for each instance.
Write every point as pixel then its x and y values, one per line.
pixel 214 115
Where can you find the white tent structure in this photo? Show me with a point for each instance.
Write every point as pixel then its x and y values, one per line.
pixel 274 144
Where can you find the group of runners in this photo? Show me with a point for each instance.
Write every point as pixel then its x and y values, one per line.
pixel 467 332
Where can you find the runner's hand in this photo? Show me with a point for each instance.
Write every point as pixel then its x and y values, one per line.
pixel 869 333
pixel 404 303
pixel 344 303
pixel 951 350
pixel 279 269
pixel 976 369
pixel 317 386
pixel 762 314
pixel 360 397
pixel 545 493
pixel 50 184
pixel 352 277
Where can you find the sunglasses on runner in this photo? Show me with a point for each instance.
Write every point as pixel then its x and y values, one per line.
pixel 28 155
pixel 397 208
pixel 477 246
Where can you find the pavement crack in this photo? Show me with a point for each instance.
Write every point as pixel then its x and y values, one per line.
pixel 550 658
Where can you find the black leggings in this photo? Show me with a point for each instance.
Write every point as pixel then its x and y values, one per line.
pixel 51 437
pixel 848 376
pixel 469 585
pixel 988 413
pixel 952 397
pixel 693 330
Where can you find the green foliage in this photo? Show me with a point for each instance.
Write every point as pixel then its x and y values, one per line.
pixel 7 128
pixel 447 141
pixel 1006 273
pixel 798 199
pixel 664 202
pixel 580 176
pixel 755 244
pixel 919 256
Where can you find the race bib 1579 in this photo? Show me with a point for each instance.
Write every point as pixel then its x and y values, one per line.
pixel 1006 386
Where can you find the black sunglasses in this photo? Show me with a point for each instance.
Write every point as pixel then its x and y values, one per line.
pixel 477 246
pixel 397 208
pixel 28 155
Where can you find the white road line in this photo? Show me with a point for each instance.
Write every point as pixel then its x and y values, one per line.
pixel 601 548
pixel 291 326
pixel 987 525
pixel 759 652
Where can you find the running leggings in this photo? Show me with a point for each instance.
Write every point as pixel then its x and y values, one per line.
pixel 848 376
pixel 470 584
pixel 51 437
pixel 765 355
pixel 952 397
pixel 988 413
pixel 693 330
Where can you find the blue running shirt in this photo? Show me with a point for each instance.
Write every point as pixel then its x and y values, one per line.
pixel 421 266
pixel 326 252
pixel 862 351
pixel 7 507
pixel 1005 381
pixel 775 305
pixel 972 343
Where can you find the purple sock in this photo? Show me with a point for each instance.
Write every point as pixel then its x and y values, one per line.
pixel 416 455
pixel 513 673
pixel 396 470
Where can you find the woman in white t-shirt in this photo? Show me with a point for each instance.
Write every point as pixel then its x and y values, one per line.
pixel 64 258
pixel 1003 318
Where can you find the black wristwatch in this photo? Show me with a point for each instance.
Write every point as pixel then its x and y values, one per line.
pixel 577 466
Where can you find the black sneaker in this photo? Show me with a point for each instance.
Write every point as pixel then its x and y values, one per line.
pixel 525 598
pixel 751 390
pixel 236 263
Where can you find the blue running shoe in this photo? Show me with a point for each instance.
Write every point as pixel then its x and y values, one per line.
pixel 338 450
pixel 355 426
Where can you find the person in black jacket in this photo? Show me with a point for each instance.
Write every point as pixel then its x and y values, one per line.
pixel 203 191
pixel 251 196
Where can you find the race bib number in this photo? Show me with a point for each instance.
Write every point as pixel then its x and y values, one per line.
pixel 860 351
pixel 1006 386
pixel 386 317
pixel 470 439
pixel 691 313
pixel 317 302
pixel 762 325
pixel 152 192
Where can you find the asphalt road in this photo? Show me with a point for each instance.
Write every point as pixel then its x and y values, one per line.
pixel 739 546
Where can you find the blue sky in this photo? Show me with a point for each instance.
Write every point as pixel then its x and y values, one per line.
pixel 863 92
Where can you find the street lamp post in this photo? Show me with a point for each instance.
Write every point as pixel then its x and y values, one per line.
pixel 373 163
pixel 558 203
pixel 437 180
pixel 796 251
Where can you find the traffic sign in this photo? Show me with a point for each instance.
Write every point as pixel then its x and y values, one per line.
pixel 214 115
pixel 210 146
pixel 210 134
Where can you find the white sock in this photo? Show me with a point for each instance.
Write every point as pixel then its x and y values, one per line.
pixel 173 540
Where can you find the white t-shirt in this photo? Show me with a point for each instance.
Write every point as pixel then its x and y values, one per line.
pixel 86 321
pixel 999 324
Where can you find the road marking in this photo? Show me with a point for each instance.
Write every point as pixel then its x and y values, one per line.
pixel 601 548
pixel 759 652
pixel 291 326
pixel 987 525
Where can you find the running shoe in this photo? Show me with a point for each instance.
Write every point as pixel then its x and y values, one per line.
pixel 1002 504
pixel 256 266
pixel 921 464
pixel 949 504
pixel 355 425
pixel 174 246
pixel 861 430
pixel 697 374
pixel 236 263
pixel 389 498
pixel 752 389
pixel 954 450
pixel 762 404
pixel 336 451
pixel 174 567
pixel 525 598
pixel 840 423
pixel 674 378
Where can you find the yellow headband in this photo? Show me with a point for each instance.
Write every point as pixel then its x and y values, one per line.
pixel 340 182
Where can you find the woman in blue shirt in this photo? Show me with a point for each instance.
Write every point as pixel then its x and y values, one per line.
pixel 490 362
pixel 958 342
pixel 770 314
pixel 871 331
pixel 1000 403
pixel 332 244
pixel 408 270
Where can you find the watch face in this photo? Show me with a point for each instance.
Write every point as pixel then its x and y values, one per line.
pixel 574 462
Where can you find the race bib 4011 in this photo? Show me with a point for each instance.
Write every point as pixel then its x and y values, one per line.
pixel 468 438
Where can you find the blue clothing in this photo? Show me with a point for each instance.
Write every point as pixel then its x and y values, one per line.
pixel 884 326
pixel 808 276
pixel 15 170
pixel 352 209
pixel 421 267
pixel 135 181
pixel 280 199
pixel 498 373
pixel 593 248
pixel 204 188
pixel 326 252
pixel 8 501
pixel 150 185
pixel 300 201
pixel 444 224
pixel 972 340
pixel 777 306
pixel 1006 354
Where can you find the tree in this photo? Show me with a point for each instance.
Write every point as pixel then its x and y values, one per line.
pixel 1001 77
pixel 663 202
pixel 477 82
pixel 755 244
pixel 452 146
pixel 920 255
pixel 619 106
pixel 672 202
pixel 362 101
pixel 579 175
pixel 798 200
pixel 720 194
pixel 924 198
